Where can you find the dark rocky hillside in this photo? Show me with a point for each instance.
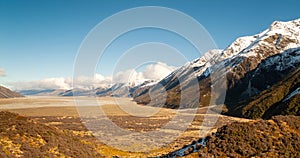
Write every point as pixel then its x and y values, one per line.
pixel 276 92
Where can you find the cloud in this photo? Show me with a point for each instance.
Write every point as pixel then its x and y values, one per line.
pixel 151 72
pixel 155 72
pixel 49 83
pixel 2 72
pixel 85 82
pixel 128 76
pixel 63 83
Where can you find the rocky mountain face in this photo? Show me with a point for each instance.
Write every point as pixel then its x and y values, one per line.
pixel 276 89
pixel 7 93
pixel 253 66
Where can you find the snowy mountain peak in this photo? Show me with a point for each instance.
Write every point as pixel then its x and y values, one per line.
pixel 278 37
pixel 285 25
pixel 290 29
pixel 238 45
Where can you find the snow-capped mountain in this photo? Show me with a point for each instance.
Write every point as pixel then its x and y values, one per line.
pixel 117 90
pixel 253 68
pixel 247 63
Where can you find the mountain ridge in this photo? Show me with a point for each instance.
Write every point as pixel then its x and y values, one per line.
pixel 277 46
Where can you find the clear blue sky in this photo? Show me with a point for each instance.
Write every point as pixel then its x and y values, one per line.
pixel 39 38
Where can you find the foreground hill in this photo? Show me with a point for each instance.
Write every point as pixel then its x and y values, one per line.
pixel 21 137
pixel 253 66
pixel 278 137
pixel 6 93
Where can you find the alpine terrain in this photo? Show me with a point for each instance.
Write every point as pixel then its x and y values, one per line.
pixel 261 71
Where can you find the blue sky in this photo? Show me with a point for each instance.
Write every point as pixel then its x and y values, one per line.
pixel 39 39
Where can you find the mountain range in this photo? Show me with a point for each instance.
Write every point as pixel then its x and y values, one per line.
pixel 261 75
pixel 262 80
pixel 260 71
pixel 116 90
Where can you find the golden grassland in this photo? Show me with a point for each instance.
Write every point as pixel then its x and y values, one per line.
pixel 61 113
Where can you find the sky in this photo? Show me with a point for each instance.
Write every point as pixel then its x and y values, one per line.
pixel 39 39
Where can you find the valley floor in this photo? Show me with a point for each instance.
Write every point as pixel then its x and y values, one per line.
pixel 136 120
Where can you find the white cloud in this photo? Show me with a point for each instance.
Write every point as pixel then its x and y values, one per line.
pixel 63 83
pixel 157 71
pixel 49 83
pixel 2 72
pixel 151 72
pixel 85 82
pixel 127 76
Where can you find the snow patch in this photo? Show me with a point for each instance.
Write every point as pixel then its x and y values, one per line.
pixel 297 91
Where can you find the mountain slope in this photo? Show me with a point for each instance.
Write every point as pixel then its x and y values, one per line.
pixel 6 93
pixel 252 64
pixel 282 98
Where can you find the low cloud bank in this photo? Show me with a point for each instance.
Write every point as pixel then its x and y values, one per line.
pixel 155 72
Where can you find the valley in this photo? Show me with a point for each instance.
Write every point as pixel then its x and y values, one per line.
pixel 124 98
pixel 61 113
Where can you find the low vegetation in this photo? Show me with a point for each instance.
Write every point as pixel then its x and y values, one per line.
pixel 277 137
pixel 22 137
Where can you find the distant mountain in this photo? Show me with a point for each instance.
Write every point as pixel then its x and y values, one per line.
pixel 252 65
pixel 117 90
pixel 43 92
pixel 122 89
pixel 7 93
